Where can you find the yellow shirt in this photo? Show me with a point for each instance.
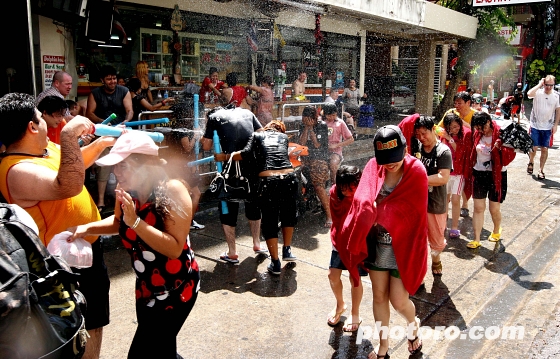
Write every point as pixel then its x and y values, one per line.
pixel 52 217
pixel 467 118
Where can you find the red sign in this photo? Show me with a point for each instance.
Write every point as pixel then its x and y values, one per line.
pixel 53 59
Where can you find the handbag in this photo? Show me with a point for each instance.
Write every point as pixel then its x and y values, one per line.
pixel 516 137
pixel 230 185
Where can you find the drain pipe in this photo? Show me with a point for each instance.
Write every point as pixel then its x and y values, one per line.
pixel 31 53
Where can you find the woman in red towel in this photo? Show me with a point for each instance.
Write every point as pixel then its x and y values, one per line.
pixel 392 196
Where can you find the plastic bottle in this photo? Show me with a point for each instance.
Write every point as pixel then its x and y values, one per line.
pixel 165 94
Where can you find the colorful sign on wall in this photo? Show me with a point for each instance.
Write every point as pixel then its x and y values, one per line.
pixel 51 64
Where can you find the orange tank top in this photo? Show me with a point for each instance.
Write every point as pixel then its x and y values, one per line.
pixel 52 217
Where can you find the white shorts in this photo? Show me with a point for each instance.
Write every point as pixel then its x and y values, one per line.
pixel 456 184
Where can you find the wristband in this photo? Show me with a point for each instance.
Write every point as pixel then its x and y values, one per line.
pixel 135 223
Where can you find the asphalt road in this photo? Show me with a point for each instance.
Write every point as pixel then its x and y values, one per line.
pixel 243 312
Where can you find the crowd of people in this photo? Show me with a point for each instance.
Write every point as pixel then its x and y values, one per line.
pixel 382 219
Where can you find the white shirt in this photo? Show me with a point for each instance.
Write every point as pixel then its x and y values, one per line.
pixel 544 106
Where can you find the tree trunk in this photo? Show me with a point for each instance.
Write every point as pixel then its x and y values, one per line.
pixel 460 73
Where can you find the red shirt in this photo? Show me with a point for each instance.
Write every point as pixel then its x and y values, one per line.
pixel 206 89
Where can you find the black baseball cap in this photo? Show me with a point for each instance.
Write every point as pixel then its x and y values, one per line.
pixel 389 144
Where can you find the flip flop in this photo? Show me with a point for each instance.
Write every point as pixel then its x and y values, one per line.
pixel 495 237
pixel 412 341
pixel 229 259
pixel 336 316
pixel 260 251
pixel 437 266
pixel 351 327
pixel 473 244
pixel 328 224
pixel 454 233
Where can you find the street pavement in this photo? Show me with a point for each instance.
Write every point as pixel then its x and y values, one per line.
pixel 243 312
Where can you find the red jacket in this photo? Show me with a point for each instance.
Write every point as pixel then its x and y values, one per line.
pixel 461 154
pixel 500 156
pixel 403 214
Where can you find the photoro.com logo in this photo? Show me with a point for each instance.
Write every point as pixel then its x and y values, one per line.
pixel 476 332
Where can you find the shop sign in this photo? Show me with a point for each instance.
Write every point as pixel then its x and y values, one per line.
pixel 223 46
pixel 51 64
pixel 506 33
pixel 503 2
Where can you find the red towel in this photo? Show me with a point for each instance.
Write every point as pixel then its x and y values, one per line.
pixel 403 214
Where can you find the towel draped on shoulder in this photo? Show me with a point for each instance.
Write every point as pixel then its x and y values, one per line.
pixel 403 213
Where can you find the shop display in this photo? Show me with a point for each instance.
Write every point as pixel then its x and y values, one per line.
pixel 198 53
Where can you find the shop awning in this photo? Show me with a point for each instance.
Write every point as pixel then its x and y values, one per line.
pixel 398 22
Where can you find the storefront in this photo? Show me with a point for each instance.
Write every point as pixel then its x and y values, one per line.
pixel 142 32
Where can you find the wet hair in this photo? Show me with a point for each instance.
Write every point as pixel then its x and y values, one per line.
pixel 134 84
pixel 52 104
pixel 345 177
pixel 309 111
pixel 267 80
pixel 463 95
pixel 107 70
pixel 329 109
pixel 231 79
pixel 424 121
pixel 480 118
pixel 71 103
pixel 276 126
pixel 16 109
pixel 449 119
pixel 212 70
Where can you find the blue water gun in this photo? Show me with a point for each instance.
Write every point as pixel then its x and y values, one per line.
pixel 218 149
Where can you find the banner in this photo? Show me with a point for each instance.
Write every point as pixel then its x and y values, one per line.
pixel 504 2
pixel 506 32
pixel 51 64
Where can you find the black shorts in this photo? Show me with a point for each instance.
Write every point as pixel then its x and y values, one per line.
pixel 483 186
pixel 277 200
pixel 94 285
pixel 252 212
pixel 336 263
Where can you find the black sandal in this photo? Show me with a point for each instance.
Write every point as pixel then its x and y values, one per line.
pixel 530 168
pixel 417 350
pixel 541 175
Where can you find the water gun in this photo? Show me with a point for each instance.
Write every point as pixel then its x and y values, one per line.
pixel 148 122
pixel 109 119
pixel 105 122
pixel 104 130
pixel 200 161
pixel 196 124
pixel 218 149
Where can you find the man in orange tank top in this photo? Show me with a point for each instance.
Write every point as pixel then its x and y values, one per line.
pixel 47 180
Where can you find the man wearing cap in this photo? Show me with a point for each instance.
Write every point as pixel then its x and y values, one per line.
pixel 47 181
pixel 544 120
pixel 234 128
pixel 437 159
pixel 392 194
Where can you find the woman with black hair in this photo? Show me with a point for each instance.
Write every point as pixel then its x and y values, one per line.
pixel 459 140
pixel 487 163
pixel 277 190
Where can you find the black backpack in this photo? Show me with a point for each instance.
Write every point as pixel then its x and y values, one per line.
pixel 40 308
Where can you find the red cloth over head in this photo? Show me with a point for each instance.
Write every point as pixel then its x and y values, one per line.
pixel 403 214
pixel 407 128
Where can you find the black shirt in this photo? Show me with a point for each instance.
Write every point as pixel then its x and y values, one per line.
pixel 270 150
pixel 106 104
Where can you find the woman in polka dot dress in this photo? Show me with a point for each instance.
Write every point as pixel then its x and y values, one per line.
pixel 153 218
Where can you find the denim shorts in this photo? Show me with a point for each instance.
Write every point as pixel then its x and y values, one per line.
pixel 541 138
